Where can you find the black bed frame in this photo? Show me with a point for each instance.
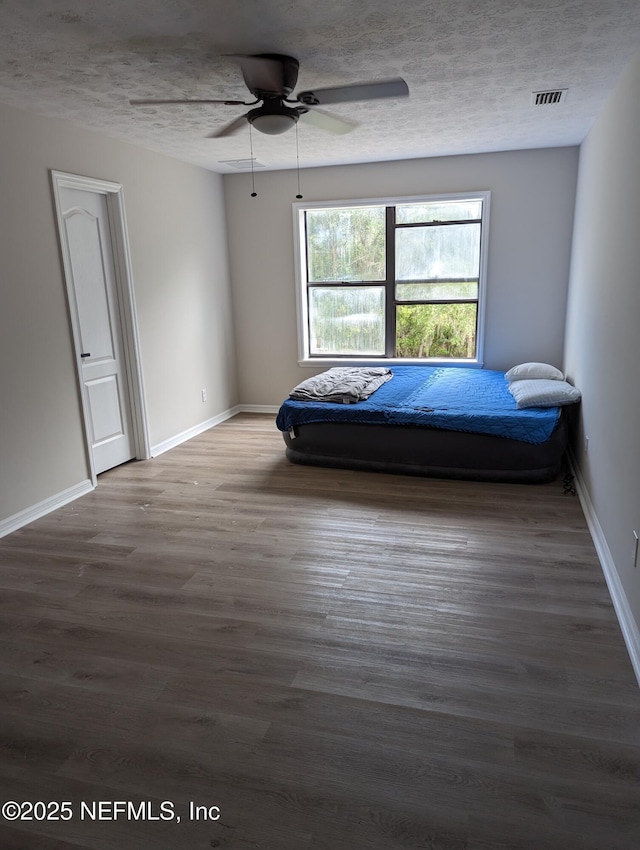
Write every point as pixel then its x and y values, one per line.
pixel 416 450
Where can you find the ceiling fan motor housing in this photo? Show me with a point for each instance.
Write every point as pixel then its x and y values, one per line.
pixel 275 77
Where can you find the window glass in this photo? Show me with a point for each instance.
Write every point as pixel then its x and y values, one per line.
pixel 346 244
pixel 438 211
pixel 346 320
pixel 436 330
pixel 392 279
pixel 449 291
pixel 435 252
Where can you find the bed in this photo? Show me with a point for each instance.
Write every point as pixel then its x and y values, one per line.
pixel 448 422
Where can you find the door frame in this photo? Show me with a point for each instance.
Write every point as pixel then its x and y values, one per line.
pixel 114 196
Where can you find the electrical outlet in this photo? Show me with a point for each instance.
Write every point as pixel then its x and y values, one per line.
pixel 204 394
pixel 635 548
pixel 586 445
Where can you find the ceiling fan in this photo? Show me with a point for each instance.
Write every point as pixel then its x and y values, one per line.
pixel 271 77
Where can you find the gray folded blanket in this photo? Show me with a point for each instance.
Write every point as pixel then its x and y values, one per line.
pixel 342 384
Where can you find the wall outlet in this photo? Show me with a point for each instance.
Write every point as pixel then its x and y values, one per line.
pixel 586 445
pixel 635 548
pixel 204 394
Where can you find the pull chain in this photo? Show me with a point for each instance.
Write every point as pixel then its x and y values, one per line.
pixel 254 194
pixel 298 162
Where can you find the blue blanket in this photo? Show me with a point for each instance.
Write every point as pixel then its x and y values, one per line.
pixel 453 398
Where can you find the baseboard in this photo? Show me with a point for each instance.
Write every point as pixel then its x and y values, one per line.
pixel 172 442
pixel 34 512
pixel 630 630
pixel 258 408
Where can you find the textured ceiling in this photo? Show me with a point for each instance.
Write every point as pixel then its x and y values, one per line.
pixel 471 66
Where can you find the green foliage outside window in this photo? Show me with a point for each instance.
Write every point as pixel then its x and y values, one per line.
pixel 436 330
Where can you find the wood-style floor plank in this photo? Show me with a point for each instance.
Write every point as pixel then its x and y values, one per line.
pixel 339 660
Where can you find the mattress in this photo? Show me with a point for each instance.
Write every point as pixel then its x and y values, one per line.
pixel 452 422
pixel 454 398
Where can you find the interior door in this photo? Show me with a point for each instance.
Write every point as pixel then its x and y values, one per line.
pixel 86 230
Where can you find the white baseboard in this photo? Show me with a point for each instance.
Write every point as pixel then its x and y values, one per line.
pixel 34 512
pixel 630 630
pixel 258 408
pixel 172 442
pixel 13 523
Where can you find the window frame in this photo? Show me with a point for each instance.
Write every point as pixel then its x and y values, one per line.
pixel 305 358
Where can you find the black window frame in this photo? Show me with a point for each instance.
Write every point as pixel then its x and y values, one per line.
pixel 389 282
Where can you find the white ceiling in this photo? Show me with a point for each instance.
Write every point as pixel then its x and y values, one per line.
pixel 471 66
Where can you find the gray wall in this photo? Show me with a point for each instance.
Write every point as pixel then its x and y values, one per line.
pixel 532 201
pixel 603 325
pixel 177 233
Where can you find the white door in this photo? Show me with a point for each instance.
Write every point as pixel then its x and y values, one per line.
pixel 91 266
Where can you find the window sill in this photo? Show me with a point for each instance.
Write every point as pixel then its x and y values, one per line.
pixel 328 362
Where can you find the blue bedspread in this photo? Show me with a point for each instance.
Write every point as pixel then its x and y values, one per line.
pixel 453 398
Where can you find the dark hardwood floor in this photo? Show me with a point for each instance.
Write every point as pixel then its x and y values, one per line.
pixel 337 660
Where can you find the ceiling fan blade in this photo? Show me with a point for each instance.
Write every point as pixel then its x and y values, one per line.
pixel 328 122
pixel 196 101
pixel 229 129
pixel 358 91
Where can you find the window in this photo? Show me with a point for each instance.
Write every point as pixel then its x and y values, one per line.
pixel 392 279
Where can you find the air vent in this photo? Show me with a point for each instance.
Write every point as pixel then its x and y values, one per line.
pixel 547 98
pixel 242 164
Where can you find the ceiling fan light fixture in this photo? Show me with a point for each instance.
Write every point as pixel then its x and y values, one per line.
pixel 273 125
pixel 273 118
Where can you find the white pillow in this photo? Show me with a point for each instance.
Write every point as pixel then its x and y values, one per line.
pixel 532 371
pixel 543 393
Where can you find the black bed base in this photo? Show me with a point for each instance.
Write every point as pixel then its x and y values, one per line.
pixel 413 450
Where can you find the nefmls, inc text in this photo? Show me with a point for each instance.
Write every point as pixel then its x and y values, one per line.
pixel 147 810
